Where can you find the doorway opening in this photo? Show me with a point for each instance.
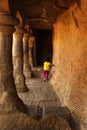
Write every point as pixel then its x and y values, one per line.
pixel 43 46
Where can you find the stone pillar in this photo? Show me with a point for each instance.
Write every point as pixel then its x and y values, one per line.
pixel 9 100
pixel 30 57
pixel 26 66
pixel 31 43
pixel 18 59
pixel 34 57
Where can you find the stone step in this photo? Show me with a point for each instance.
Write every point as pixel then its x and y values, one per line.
pixel 36 74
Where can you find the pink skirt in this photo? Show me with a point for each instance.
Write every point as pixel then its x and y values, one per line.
pixel 45 74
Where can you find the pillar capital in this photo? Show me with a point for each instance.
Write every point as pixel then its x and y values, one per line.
pixel 26 35
pixel 20 29
pixel 7 23
pixel 7 19
pixel 27 27
pixel 19 32
pixel 4 5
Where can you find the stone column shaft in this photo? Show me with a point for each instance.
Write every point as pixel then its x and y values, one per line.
pixel 9 100
pixel 34 57
pixel 26 66
pixel 31 42
pixel 18 60
pixel 30 57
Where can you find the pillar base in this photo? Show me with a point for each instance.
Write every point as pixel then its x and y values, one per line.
pixel 9 104
pixel 20 83
pixel 21 88
pixel 27 75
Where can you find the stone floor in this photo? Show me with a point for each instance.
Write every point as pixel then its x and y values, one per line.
pixel 40 96
pixel 42 101
pixel 40 93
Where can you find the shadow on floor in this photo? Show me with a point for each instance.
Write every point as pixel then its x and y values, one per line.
pixel 41 113
pixel 42 101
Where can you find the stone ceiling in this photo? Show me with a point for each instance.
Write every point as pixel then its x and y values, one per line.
pixel 41 14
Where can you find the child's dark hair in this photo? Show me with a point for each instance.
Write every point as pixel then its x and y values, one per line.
pixel 48 59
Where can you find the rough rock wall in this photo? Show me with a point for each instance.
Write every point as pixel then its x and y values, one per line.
pixel 70 58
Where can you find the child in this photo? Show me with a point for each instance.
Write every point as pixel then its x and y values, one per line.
pixel 46 69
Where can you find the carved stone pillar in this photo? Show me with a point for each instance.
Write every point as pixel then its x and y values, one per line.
pixel 26 66
pixel 30 57
pixel 18 60
pixel 34 55
pixel 9 100
pixel 31 43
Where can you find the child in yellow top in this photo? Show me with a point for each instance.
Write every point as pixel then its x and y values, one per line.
pixel 47 66
pixel 46 69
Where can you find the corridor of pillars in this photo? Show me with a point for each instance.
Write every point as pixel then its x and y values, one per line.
pixel 12 54
pixel 30 103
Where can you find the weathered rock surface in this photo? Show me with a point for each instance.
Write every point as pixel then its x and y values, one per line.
pixel 20 121
pixel 70 59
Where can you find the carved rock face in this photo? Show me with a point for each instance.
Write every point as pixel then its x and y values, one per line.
pixel 41 14
pixel 69 57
